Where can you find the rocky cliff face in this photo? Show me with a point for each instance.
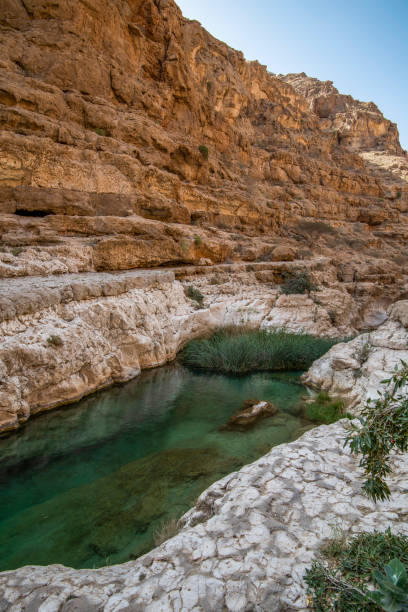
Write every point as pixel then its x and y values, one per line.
pixel 360 126
pixel 355 370
pixel 65 336
pixel 132 138
pixel 70 335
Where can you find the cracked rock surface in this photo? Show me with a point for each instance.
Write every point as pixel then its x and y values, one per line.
pixel 244 546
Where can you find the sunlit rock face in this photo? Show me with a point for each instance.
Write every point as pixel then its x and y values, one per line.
pixel 73 334
pixel 359 125
pixel 132 138
pixel 65 336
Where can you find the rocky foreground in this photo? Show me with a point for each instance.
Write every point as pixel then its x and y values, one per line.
pixel 244 546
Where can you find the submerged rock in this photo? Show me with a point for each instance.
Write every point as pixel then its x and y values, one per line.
pixel 252 411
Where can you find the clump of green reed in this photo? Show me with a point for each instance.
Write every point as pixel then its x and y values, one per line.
pixel 238 350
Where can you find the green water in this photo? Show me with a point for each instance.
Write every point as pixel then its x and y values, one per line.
pixel 91 484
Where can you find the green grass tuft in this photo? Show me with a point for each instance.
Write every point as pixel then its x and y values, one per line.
pixel 325 409
pixel 204 151
pixel 238 350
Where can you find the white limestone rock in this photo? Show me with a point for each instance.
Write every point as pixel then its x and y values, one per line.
pixel 355 369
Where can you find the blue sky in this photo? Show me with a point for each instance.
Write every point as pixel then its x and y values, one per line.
pixel 361 45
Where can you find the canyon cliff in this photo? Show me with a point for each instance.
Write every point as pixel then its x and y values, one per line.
pixel 131 138
pixel 144 163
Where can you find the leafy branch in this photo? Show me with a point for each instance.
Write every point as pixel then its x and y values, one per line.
pixel 384 427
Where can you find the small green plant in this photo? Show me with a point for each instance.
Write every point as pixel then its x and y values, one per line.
pixel 16 251
pixel 399 194
pixel 297 282
pixel 204 151
pixel 364 352
pixel 184 246
pixel 54 341
pixel 340 580
pixel 383 428
pixel 269 204
pixel 194 294
pixel 100 131
pixel 198 240
pixel 325 409
pixel 392 594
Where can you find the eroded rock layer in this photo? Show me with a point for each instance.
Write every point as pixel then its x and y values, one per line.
pixel 132 138
pixel 64 336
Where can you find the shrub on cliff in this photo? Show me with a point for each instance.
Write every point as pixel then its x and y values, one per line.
pixel 297 283
pixel 55 340
pixel 204 151
pixel 194 294
pixel 238 350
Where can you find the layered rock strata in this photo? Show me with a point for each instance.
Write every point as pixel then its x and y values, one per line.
pixel 244 546
pixel 133 138
pixel 64 336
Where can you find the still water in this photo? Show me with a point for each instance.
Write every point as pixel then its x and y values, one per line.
pixel 91 484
